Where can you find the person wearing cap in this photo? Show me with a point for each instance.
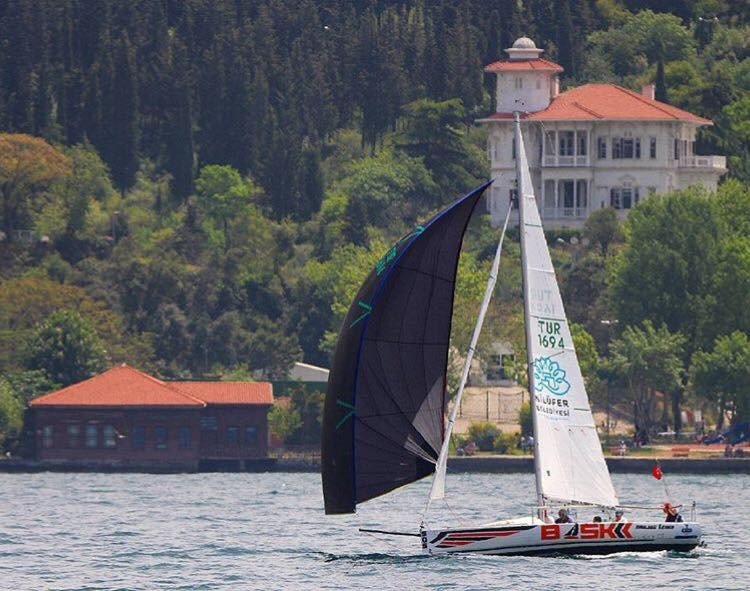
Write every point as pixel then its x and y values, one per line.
pixel 671 513
pixel 620 516
pixel 563 517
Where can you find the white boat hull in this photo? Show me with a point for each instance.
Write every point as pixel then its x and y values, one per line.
pixel 567 538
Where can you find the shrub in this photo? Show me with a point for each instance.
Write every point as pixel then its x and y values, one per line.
pixel 483 434
pixel 505 443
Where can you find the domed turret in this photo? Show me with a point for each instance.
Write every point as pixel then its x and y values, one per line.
pixel 524 49
pixel 524 43
pixel 525 81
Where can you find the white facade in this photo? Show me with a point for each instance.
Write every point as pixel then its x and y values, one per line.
pixel 581 163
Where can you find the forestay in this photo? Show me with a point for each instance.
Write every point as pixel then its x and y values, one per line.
pixel 570 463
pixel 383 422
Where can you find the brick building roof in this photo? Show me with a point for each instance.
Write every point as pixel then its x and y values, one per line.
pixel 123 385
pixel 229 392
pixel 606 102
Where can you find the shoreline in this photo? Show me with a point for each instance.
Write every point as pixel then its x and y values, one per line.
pixel 460 465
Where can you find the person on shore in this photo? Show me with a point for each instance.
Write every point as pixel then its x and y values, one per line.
pixel 673 515
pixel 620 516
pixel 563 517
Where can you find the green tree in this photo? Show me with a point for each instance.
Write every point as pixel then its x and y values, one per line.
pixel 660 82
pixel 434 132
pixel 180 147
pixel 67 348
pixel 722 376
pixel 602 228
pixel 648 359
pixel 122 144
pixel 388 189
pixel 28 167
pixel 222 195
pixel 283 421
pixel 737 117
pixel 643 39
pixel 11 413
pixel 665 271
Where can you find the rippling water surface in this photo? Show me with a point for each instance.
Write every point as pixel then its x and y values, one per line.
pixel 268 531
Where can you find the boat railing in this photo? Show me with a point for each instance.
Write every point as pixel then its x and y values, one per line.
pixel 549 509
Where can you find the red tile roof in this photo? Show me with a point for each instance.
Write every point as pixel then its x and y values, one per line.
pixel 538 65
pixel 229 392
pixel 120 386
pixel 126 386
pixel 606 101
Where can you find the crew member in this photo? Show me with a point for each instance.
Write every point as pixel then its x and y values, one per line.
pixel 620 516
pixel 672 513
pixel 563 517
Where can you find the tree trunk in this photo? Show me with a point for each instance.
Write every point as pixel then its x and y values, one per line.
pixel 677 411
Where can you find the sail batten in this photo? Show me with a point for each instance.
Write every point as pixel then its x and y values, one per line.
pixel 383 417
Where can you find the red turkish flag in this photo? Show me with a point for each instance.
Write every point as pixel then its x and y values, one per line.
pixel 656 472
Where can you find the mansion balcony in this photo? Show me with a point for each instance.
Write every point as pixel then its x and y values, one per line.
pixel 717 163
pixel 565 213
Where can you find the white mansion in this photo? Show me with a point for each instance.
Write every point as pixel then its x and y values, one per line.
pixel 590 147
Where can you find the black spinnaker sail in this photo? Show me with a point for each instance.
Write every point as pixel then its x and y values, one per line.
pixel 383 417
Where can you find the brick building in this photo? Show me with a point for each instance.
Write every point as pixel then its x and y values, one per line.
pixel 126 418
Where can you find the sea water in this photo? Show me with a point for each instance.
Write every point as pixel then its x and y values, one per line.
pixel 268 531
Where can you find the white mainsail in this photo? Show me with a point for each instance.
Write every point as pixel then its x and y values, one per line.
pixel 570 466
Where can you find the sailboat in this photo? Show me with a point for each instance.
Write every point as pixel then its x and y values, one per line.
pixel 384 416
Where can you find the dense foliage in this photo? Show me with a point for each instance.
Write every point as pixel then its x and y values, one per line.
pixel 198 187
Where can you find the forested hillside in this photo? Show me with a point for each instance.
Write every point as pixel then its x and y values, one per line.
pixel 197 187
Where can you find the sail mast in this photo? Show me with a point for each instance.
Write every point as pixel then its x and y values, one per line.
pixel 521 168
pixel 437 490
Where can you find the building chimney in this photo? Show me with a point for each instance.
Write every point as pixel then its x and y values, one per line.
pixel 555 86
pixel 649 91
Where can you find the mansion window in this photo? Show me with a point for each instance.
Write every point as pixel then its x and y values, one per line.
pixel 74 436
pixel 601 148
pixel 582 147
pixel 626 147
pixel 251 435
pixel 110 436
pixel 623 197
pixel 566 142
pixel 92 436
pixel 519 82
pixel 48 436
pixel 652 148
pixel 233 435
